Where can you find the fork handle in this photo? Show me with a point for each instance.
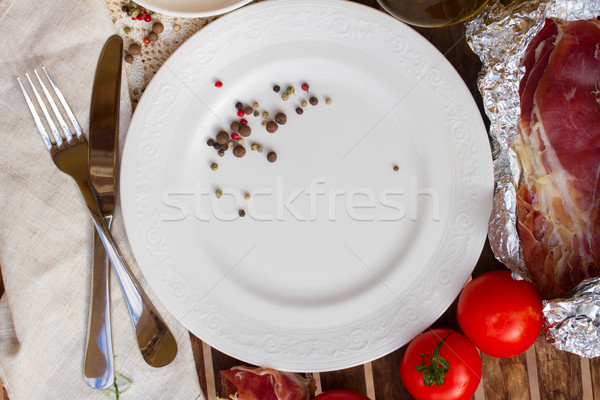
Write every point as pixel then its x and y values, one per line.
pixel 99 366
pixel 155 340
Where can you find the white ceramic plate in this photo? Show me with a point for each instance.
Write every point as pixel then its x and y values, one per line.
pixel 308 282
pixel 192 8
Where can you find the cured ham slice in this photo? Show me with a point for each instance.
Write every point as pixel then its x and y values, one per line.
pixel 558 205
pixel 245 383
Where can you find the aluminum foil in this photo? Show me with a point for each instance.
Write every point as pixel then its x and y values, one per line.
pixel 499 35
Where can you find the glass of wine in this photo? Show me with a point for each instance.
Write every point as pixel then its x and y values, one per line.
pixel 432 13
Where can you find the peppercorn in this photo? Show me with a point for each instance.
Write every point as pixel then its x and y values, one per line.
pixel 214 166
pixel 241 113
pixel 276 88
pixel 224 147
pixel 272 157
pixel 272 127
pixel 135 49
pixel 222 137
pixel 239 151
pixel 235 126
pixel 265 114
pixel 146 40
pixel 235 136
pixel 148 18
pixel 241 141
pixel 210 142
pixel 304 103
pixel 127 30
pixel 263 123
pixel 299 110
pixel 285 97
pixel 221 153
pixel 153 36
pixel 313 101
pixel 219 84
pixel 125 9
pixel 243 121
pixel 328 101
pixel 218 193
pixel 254 146
pixel 158 28
pixel 248 110
pixel 255 105
pixel 230 143
pixel 239 105
pixel 396 168
pixel 128 58
pixel 280 118
pixel 305 87
pixel 176 28
pixel 245 130
pixel 256 113
pixel 242 213
pixel 247 196
pixel 260 148
pixel 290 90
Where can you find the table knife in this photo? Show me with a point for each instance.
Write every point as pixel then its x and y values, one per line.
pixel 98 368
pixel 157 344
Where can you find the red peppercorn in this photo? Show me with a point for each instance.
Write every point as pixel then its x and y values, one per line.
pixel 218 84
pixel 305 87
pixel 243 121
pixel 241 113
pixel 147 18
pixel 146 40
pixel 235 136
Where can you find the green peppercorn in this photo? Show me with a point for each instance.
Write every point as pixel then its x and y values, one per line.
pixel 285 97
pixel 214 166
pixel 218 193
pixel 265 115
pixel 127 30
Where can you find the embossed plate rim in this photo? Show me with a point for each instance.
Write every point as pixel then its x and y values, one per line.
pixel 389 328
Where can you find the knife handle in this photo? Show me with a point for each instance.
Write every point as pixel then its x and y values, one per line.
pixel 99 370
pixel 155 340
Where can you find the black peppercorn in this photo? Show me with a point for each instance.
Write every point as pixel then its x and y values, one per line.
pixel 245 130
pixel 281 118
pixel 272 126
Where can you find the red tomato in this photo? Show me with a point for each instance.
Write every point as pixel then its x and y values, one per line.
pixel 500 315
pixel 460 379
pixel 341 394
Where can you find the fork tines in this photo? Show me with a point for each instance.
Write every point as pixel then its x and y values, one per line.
pixel 58 139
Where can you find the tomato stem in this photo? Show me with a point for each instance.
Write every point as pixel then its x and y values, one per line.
pixel 434 373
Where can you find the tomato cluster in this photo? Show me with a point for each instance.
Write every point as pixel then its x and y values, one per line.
pixel 499 315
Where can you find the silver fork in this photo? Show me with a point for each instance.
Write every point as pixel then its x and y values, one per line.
pixel 70 154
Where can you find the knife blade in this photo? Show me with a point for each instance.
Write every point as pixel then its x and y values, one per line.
pixel 102 174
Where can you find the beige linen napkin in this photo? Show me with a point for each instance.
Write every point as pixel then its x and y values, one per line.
pixel 45 230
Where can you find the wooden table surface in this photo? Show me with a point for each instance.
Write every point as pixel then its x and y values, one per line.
pixel 541 373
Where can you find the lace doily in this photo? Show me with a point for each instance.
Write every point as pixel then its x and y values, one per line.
pixel 153 55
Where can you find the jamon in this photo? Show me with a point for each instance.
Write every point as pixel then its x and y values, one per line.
pixel 244 383
pixel 558 205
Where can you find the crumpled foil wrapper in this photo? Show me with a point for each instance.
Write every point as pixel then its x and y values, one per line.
pixel 499 35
